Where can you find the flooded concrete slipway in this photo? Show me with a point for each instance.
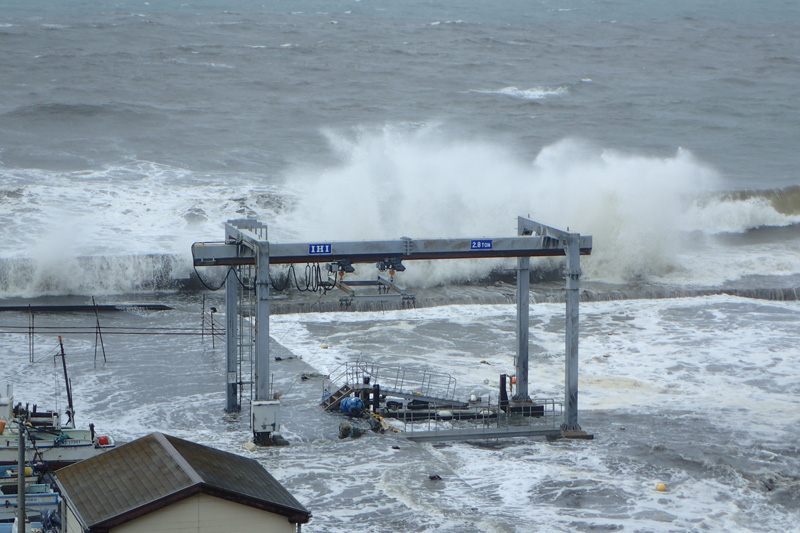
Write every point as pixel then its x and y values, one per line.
pixel 699 393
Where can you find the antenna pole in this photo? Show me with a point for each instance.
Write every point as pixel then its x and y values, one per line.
pixel 98 334
pixel 71 412
pixel 21 475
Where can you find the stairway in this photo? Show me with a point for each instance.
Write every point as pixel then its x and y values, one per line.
pixel 331 402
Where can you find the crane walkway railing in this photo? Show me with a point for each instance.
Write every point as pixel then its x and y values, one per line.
pixel 489 420
pixel 436 388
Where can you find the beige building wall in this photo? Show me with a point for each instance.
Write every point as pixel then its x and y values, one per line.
pixel 206 514
pixel 71 524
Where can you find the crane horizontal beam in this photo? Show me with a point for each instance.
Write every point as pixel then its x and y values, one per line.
pixel 232 254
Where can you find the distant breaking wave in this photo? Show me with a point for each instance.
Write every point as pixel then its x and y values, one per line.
pixel 785 201
pixel 140 274
pixel 535 93
pixel 52 110
pixel 58 109
pixel 743 211
pixel 91 276
pixel 129 227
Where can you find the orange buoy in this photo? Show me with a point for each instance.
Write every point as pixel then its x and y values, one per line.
pixel 2 426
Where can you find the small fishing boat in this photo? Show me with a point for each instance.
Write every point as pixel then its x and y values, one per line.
pixel 10 476
pixel 47 440
pixel 55 447
pixel 40 499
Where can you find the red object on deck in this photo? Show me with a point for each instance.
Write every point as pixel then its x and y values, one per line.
pixel 103 441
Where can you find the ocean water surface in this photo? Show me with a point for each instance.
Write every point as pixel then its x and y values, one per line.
pixel 131 129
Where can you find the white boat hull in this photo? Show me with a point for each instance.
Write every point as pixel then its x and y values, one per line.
pixel 52 447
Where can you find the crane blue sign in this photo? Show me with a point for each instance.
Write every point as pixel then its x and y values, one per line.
pixel 480 244
pixel 319 249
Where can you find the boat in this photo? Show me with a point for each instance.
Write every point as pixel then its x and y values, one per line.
pixel 10 476
pixel 48 442
pixel 40 500
pixel 51 446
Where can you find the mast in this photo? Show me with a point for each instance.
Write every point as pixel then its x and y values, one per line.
pixel 70 408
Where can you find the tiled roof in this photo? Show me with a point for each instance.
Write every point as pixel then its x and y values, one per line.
pixel 154 471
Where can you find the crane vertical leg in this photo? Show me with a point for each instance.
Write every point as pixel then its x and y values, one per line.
pixel 264 409
pixel 573 274
pixel 523 308
pixel 262 325
pixel 231 344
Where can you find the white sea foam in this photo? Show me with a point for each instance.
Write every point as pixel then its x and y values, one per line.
pixel 690 389
pixel 141 208
pixel 113 230
pixel 400 181
pixel 726 215
pixel 535 93
pixel 723 363
pixel 640 355
pixel 716 264
pixel 421 183
pixel 545 484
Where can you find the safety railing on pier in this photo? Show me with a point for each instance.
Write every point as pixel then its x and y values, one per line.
pixel 393 380
pixel 482 420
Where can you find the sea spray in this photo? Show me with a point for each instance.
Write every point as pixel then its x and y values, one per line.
pixel 416 182
pixel 652 218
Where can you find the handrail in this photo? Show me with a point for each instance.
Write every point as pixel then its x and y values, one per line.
pixel 542 416
pixel 411 382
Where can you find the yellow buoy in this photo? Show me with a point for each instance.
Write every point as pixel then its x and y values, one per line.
pixel 661 487
pixel 324 346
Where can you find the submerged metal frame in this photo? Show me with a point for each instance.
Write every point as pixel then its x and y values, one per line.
pixel 246 244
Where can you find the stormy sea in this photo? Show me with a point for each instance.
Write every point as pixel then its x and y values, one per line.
pixel 130 130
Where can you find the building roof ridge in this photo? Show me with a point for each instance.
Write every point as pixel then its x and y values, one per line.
pixel 178 458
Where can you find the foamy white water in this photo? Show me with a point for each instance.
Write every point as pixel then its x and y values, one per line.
pixel 697 393
pixel 535 93
pixel 653 371
pixel 703 353
pixel 652 219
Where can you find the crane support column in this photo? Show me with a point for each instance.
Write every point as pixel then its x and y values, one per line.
pixel 265 410
pixel 573 275
pixel 262 377
pixel 232 404
pixel 523 321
